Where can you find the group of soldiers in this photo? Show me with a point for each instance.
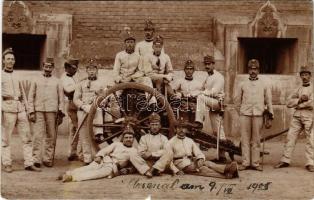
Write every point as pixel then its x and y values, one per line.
pixel 41 109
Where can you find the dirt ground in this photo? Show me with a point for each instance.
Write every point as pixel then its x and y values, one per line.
pixel 289 183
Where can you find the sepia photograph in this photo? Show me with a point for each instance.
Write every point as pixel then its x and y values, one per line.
pixel 159 99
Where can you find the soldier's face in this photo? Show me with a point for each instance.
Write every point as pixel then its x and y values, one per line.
pixel 149 34
pixel 253 72
pixel 209 67
pixel 71 70
pixel 48 68
pixel 128 140
pixel 157 49
pixel 181 132
pixel 129 45
pixel 8 62
pixel 306 77
pixel 155 127
pixel 189 72
pixel 91 71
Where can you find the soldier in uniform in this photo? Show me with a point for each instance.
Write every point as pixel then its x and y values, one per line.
pixel 152 145
pixel 188 158
pixel 14 107
pixel 302 101
pixel 250 98
pixel 46 104
pixel 146 46
pixel 84 95
pixel 69 81
pixel 127 66
pixel 109 160
pixel 159 64
pixel 211 98
pixel 188 89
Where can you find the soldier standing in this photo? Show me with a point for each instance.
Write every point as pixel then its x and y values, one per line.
pixel 146 46
pixel 251 97
pixel 46 103
pixel 109 160
pixel 69 81
pixel 211 99
pixel 302 101
pixel 84 95
pixel 14 107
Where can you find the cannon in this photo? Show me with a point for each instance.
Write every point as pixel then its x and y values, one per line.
pixel 129 103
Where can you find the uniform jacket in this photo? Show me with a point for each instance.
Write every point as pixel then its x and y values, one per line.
pixel 46 95
pixel 214 84
pixel 183 150
pixel 143 48
pixel 127 65
pixel 69 85
pixel 304 108
pixel 152 143
pixel 117 153
pixel 86 91
pixel 11 87
pixel 252 97
pixel 189 87
pixel 152 69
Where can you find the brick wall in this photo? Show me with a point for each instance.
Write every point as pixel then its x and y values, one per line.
pixel 185 25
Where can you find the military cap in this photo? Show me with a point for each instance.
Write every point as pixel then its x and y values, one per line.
pixel 128 129
pixel 209 59
pixel 183 123
pixel 189 64
pixel 91 64
pixel 7 51
pixel 127 34
pixel 158 40
pixel 305 69
pixel 149 25
pixel 71 62
pixel 49 61
pixel 253 64
pixel 154 117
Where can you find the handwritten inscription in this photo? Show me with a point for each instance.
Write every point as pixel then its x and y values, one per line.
pixel 213 187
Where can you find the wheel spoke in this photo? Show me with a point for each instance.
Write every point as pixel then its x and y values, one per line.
pixel 110 113
pixel 117 99
pixel 113 135
pixel 141 110
pixel 108 125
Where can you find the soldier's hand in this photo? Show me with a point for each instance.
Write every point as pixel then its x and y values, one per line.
pixel 32 117
pixel 200 163
pixel 117 79
pixel 86 108
pixel 304 97
pixel 178 95
pixel 168 77
pixel 147 155
pixel 98 159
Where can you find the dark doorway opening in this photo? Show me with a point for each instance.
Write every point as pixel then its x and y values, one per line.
pixel 28 49
pixel 276 55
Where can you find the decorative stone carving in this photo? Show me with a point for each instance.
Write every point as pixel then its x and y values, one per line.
pixel 267 22
pixel 18 18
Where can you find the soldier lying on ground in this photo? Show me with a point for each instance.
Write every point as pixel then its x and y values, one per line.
pixel 109 160
pixel 188 158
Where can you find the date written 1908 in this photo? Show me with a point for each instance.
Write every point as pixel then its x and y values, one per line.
pixel 258 186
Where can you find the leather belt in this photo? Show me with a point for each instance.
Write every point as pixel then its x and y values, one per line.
pixel 12 98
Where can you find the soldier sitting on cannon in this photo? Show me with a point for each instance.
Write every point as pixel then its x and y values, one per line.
pixel 159 66
pixel 109 160
pixel 188 158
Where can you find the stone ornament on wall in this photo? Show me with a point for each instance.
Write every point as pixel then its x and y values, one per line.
pixel 267 22
pixel 18 18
